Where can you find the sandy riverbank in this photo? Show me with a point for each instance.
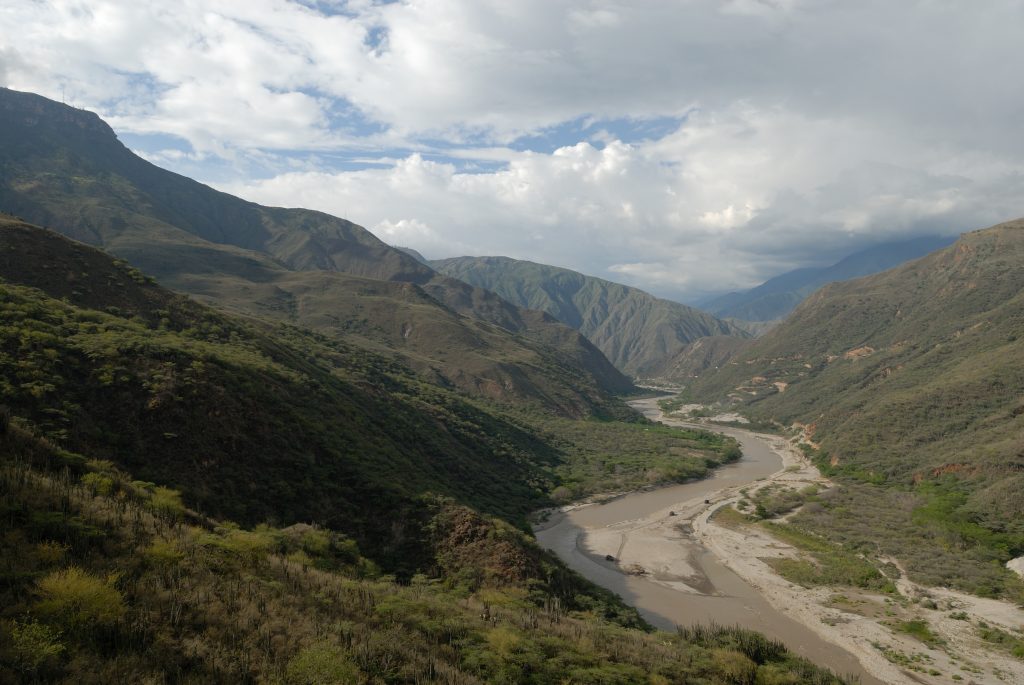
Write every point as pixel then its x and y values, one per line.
pixel 854 620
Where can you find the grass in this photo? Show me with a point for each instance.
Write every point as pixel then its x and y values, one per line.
pixel 926 414
pixel 778 499
pixel 920 630
pixel 209 600
pixel 826 563
pixel 611 456
pixel 1014 644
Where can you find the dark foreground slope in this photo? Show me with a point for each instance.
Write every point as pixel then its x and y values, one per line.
pixel 638 332
pixel 107 580
pixel 254 423
pixel 64 168
pixel 910 381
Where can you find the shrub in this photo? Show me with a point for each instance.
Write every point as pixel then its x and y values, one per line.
pixel 33 645
pixel 97 483
pixel 166 503
pixel 78 599
pixel 322 664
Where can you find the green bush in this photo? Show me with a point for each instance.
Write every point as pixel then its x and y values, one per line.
pixel 77 599
pixel 322 664
pixel 34 645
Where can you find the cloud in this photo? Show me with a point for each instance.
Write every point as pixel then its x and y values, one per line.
pixel 683 146
pixel 725 201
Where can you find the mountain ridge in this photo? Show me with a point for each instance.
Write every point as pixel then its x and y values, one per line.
pixel 639 333
pixel 778 296
pixel 908 383
pixel 65 168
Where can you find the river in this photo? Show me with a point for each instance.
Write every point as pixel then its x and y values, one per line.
pixel 688 584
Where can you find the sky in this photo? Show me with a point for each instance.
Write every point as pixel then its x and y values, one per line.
pixel 687 147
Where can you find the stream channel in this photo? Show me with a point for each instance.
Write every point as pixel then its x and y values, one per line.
pixel 710 591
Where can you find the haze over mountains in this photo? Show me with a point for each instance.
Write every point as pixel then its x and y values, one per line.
pixel 637 332
pixel 778 296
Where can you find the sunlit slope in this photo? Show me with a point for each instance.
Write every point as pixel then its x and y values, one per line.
pixel 910 379
pixel 65 169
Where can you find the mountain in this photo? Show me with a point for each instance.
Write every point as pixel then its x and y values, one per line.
pixel 702 356
pixel 64 168
pixel 777 297
pixel 413 253
pixel 258 421
pixel 225 499
pixel 638 332
pixel 909 382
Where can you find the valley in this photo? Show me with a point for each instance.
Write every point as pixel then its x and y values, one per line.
pixel 220 418
pixel 683 556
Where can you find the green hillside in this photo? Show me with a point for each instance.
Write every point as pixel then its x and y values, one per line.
pixel 637 332
pixel 910 382
pixel 106 579
pixel 191 495
pixel 258 422
pixel 65 169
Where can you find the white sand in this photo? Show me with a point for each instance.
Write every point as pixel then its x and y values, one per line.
pixel 743 549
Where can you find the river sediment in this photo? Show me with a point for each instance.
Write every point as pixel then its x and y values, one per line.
pixel 662 551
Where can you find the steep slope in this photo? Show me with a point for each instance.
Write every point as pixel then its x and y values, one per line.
pixel 638 332
pixel 257 421
pixel 702 356
pixel 110 580
pixel 910 381
pixel 777 297
pixel 64 168
pixel 252 422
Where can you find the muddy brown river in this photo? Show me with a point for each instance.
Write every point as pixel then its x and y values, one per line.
pixel 710 591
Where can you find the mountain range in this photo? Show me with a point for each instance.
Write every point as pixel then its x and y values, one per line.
pixel 778 296
pixel 909 385
pixel 242 443
pixel 639 333
pixel 64 168
pixel 231 499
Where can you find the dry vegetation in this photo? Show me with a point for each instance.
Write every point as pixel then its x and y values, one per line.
pixel 105 579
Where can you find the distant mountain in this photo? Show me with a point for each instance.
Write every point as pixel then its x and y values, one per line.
pixel 413 253
pixel 638 332
pixel 64 168
pixel 777 297
pixel 910 381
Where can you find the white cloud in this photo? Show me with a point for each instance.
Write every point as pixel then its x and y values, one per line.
pixel 808 128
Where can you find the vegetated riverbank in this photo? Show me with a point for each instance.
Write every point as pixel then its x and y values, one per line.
pixel 672 579
pixel 678 561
